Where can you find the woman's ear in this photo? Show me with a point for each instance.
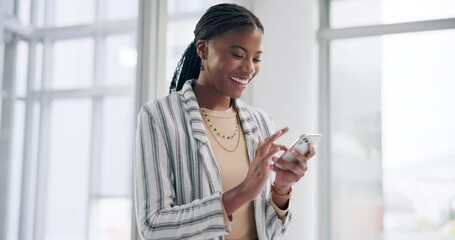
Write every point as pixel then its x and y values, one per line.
pixel 202 48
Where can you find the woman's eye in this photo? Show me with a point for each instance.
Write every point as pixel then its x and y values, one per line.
pixel 237 55
pixel 256 60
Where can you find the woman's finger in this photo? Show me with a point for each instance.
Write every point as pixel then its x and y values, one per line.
pixel 265 159
pixel 311 152
pixel 297 168
pixel 286 175
pixel 270 140
pixel 266 144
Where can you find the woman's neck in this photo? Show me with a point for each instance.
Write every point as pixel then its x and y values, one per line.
pixel 209 98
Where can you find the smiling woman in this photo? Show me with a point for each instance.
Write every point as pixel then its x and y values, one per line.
pixel 202 165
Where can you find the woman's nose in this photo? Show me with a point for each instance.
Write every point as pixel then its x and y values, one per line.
pixel 248 67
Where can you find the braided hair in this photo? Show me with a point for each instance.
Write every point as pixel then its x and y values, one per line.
pixel 215 21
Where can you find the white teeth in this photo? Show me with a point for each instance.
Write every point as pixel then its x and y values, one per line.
pixel 242 81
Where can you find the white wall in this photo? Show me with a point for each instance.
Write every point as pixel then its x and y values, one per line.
pixel 287 88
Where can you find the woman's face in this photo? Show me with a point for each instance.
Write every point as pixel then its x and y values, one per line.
pixel 231 60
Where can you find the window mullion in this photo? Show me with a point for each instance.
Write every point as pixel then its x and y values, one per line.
pixel 2 51
pixel 99 91
pixel 29 170
pixel 325 212
pixel 43 170
pixel 86 30
pixel 101 8
pixel 42 162
pixel 6 126
pixel 324 167
pixel 378 30
pixel 27 157
pixel 33 12
pixel 96 138
pixel 49 12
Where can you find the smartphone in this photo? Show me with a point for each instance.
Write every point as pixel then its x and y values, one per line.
pixel 301 146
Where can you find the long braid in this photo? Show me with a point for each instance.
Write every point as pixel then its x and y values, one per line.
pixel 187 68
pixel 191 68
pixel 216 20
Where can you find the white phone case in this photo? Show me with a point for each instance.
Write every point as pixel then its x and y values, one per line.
pixel 301 145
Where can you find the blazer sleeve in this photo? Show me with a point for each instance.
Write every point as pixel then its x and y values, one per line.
pixel 274 226
pixel 157 215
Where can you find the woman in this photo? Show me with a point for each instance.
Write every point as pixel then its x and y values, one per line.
pixel 202 165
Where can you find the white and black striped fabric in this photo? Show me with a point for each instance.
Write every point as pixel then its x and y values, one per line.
pixel 177 182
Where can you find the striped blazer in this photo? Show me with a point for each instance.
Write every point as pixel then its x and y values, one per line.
pixel 177 182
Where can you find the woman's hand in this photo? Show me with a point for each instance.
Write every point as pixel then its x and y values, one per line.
pixel 259 170
pixel 257 175
pixel 293 172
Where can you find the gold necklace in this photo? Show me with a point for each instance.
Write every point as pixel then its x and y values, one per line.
pixel 216 133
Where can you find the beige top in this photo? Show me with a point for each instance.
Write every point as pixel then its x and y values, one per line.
pixel 232 160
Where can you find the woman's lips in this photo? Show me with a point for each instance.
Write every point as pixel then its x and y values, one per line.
pixel 240 80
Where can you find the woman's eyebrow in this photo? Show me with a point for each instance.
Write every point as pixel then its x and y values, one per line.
pixel 244 49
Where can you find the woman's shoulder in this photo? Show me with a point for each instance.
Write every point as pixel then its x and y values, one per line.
pixel 159 106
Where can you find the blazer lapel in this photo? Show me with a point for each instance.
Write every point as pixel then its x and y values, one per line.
pixel 205 152
pixel 250 128
pixel 192 108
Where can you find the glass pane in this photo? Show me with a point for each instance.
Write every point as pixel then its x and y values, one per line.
pixel 112 216
pixel 356 139
pixel 24 11
pixel 118 128
pixel 418 146
pixel 21 68
pixel 120 59
pixel 38 66
pixel 416 10
pixel 183 6
pixel 120 9
pixel 69 170
pixel 73 12
pixel 73 63
pixel 34 132
pixel 40 13
pixel 392 147
pixel 349 13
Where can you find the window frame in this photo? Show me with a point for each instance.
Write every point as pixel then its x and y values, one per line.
pixel 325 35
pixel 33 177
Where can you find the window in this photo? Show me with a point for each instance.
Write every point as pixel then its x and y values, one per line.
pixel 388 110
pixel 67 118
pixel 354 13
